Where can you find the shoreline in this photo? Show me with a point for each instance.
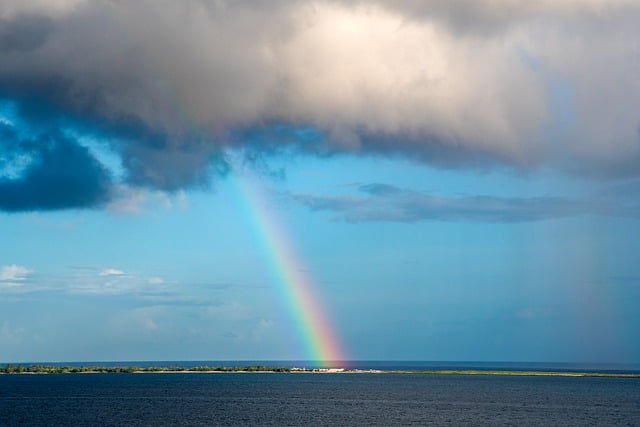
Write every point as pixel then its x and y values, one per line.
pixel 11 369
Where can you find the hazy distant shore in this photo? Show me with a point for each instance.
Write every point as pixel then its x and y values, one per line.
pixel 49 369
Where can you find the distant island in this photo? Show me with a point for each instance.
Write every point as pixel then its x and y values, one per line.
pixel 50 369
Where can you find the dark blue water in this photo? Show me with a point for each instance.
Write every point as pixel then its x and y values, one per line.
pixel 298 399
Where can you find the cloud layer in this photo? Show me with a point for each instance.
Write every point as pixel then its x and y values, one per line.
pixel 382 202
pixel 475 84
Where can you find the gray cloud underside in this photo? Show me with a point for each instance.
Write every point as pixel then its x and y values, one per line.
pixel 382 202
pixel 452 84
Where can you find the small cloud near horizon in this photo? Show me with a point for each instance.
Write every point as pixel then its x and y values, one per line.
pixel 112 272
pixel 14 273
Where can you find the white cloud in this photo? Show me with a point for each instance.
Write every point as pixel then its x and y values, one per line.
pixel 129 200
pixel 113 281
pixel 111 272
pixel 14 273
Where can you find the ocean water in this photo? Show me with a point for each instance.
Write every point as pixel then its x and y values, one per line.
pixel 297 399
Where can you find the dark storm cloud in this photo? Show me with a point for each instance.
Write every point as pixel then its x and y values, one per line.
pixel 24 32
pixel 171 167
pixel 58 174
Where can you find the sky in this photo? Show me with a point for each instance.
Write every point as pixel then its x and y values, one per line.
pixel 296 179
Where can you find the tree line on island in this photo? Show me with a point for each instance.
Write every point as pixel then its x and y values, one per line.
pixel 59 369
pixel 49 369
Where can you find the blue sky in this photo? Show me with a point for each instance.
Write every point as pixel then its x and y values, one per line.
pixel 456 192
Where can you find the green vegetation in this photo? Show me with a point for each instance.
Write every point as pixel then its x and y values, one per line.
pixel 48 369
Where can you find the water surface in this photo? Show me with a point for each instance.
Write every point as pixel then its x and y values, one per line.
pixel 316 399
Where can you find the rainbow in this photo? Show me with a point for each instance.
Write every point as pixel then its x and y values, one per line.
pixel 318 338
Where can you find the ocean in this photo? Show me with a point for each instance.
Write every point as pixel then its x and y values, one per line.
pixel 299 399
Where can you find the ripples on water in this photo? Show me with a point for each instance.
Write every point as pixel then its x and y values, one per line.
pixel 297 399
